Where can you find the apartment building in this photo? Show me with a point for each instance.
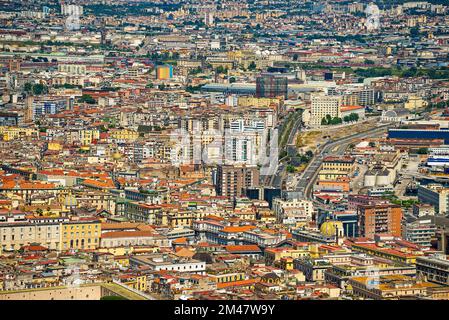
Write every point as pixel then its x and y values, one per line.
pixel 434 268
pixel 436 195
pixel 55 233
pixel 231 180
pixel 323 105
pixel 379 219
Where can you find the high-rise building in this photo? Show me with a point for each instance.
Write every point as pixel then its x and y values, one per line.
pixel 29 112
pixel 71 9
pixel 271 86
pixel 435 195
pixel 231 180
pixel 322 106
pixel 366 96
pixel 377 219
pixel 421 232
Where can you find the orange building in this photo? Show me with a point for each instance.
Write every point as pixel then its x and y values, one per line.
pixel 375 219
pixel 342 183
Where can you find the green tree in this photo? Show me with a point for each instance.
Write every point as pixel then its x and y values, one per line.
pixel 39 89
pixel 414 32
pixel 221 69
pixel 352 117
pixel 87 98
pixel 28 87
pixel 252 66
pixel 422 151
pixel 335 120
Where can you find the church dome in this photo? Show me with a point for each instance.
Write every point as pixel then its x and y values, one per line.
pixel 331 228
pixel 116 156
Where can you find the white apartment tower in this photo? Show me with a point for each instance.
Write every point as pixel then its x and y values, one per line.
pixel 323 105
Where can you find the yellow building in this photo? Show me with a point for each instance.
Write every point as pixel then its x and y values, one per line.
pixel 12 133
pixel 235 55
pixel 87 136
pixel 124 134
pixel 123 261
pixel 135 282
pixel 389 287
pixel 118 251
pixel 257 102
pixel 227 277
pixel 331 175
pixel 414 102
pixel 339 164
pixel 275 255
pixel 285 263
pixel 390 254
pixel 128 250
pixel 81 234
pixel 54 146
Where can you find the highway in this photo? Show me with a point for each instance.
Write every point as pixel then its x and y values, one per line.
pixel 276 179
pixel 307 179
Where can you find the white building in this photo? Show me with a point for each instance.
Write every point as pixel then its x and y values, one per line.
pixel 169 262
pixel 323 105
pixel 71 10
pixel 300 210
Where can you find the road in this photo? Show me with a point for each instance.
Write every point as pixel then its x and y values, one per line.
pixel 276 179
pixel 307 180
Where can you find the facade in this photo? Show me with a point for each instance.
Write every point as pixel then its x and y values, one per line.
pixel 389 287
pixel 423 209
pixel 379 219
pixel 46 107
pixel 435 195
pixel 53 233
pixel 271 86
pixel 349 220
pixel 313 269
pixel 340 164
pixel 81 234
pixel 421 232
pixel 415 134
pixel 301 210
pixel 434 268
pixel 9 119
pixel 323 105
pixel 133 238
pixel 231 180
pixel 169 262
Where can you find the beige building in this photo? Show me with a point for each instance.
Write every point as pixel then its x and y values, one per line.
pixel 55 233
pixel 323 105
pixel 15 235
